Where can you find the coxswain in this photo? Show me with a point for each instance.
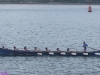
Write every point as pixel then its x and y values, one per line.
pixel 85 46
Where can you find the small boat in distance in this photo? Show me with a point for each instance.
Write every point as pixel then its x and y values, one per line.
pixel 89 9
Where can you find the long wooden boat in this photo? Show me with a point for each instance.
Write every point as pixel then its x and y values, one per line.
pixel 9 52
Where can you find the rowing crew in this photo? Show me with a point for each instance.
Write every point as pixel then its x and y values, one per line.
pixel 35 48
pixel 46 49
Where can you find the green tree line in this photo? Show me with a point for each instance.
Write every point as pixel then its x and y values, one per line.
pixel 69 1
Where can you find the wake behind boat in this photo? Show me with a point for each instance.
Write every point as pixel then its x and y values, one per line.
pixel 9 52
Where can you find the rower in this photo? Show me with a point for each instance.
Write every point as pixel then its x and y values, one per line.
pixel 68 50
pixel 35 48
pixel 14 47
pixel 58 50
pixel 47 49
pixel 2 47
pixel 25 48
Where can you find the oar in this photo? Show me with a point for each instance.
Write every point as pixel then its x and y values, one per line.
pixel 73 48
pixel 93 48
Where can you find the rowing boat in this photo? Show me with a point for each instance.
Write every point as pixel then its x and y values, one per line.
pixel 9 52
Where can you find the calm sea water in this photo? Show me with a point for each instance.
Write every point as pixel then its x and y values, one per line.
pixel 52 26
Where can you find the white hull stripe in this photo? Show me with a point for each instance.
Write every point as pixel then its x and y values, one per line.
pixel 73 53
pixel 51 53
pixel 85 53
pixel 39 53
pixel 97 53
pixel 63 53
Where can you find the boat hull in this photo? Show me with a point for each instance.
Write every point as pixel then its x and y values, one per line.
pixel 7 52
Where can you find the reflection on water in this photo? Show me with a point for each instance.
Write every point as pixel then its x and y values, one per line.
pixel 52 26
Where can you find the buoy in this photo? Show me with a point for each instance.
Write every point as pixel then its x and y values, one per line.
pixel 90 9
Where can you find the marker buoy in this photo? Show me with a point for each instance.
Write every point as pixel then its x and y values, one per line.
pixel 90 9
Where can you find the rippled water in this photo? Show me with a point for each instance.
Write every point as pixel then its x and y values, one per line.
pixel 49 26
pixel 50 65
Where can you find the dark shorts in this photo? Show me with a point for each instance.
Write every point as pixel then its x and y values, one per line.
pixel 85 48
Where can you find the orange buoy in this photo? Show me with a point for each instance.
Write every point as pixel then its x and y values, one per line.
pixel 90 9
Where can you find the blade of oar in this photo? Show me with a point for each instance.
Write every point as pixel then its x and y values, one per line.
pixel 92 48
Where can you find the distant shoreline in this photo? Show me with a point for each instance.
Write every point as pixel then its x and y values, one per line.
pixel 50 3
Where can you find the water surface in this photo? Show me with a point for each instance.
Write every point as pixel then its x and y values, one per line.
pixel 52 26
